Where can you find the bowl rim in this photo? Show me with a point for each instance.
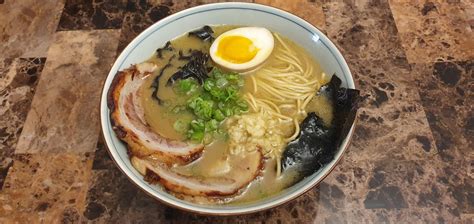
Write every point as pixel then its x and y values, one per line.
pixel 209 211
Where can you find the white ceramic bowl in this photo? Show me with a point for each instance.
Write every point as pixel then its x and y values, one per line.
pixel 245 14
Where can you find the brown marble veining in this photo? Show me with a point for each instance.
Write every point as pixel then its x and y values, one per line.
pixel 88 15
pixel 410 161
pixel 64 115
pixel 45 187
pixel 447 94
pixel 18 79
pixel 27 27
pixel 310 11
pixel 435 29
pixel 138 16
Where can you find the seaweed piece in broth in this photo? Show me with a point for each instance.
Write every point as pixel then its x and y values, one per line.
pixel 182 56
pixel 205 33
pixel 167 47
pixel 313 148
pixel 317 144
pixel 156 82
pixel 196 68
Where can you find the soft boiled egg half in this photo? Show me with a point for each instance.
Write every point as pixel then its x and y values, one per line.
pixel 242 49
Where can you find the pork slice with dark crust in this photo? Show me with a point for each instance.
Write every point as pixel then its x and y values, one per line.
pixel 128 122
pixel 245 168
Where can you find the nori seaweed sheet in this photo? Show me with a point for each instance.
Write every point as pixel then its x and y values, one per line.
pixel 317 144
pixel 167 47
pixel 195 68
pixel 205 33
pixel 156 82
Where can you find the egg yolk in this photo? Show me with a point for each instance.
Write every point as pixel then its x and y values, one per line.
pixel 236 49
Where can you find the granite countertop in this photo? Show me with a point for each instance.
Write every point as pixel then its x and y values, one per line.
pixel 411 158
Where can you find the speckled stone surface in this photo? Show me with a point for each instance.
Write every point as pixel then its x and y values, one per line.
pixel 310 11
pixel 435 29
pixel 411 159
pixel 64 115
pixel 18 81
pixel 87 15
pixel 45 187
pixel 27 27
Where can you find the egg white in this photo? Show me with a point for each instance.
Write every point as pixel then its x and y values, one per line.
pixel 261 38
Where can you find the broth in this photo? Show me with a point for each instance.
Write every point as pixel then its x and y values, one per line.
pixel 213 161
pixel 158 116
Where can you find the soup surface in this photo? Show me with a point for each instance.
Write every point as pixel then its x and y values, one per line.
pixel 220 109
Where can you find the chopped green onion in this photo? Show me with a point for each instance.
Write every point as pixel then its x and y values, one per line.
pixel 221 82
pixel 187 86
pixel 218 115
pixel 211 125
pixel 181 126
pixel 196 135
pixel 217 99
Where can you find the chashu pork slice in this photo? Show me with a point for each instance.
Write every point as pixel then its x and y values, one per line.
pixel 244 169
pixel 128 122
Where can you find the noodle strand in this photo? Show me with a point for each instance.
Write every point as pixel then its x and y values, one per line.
pixel 285 86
